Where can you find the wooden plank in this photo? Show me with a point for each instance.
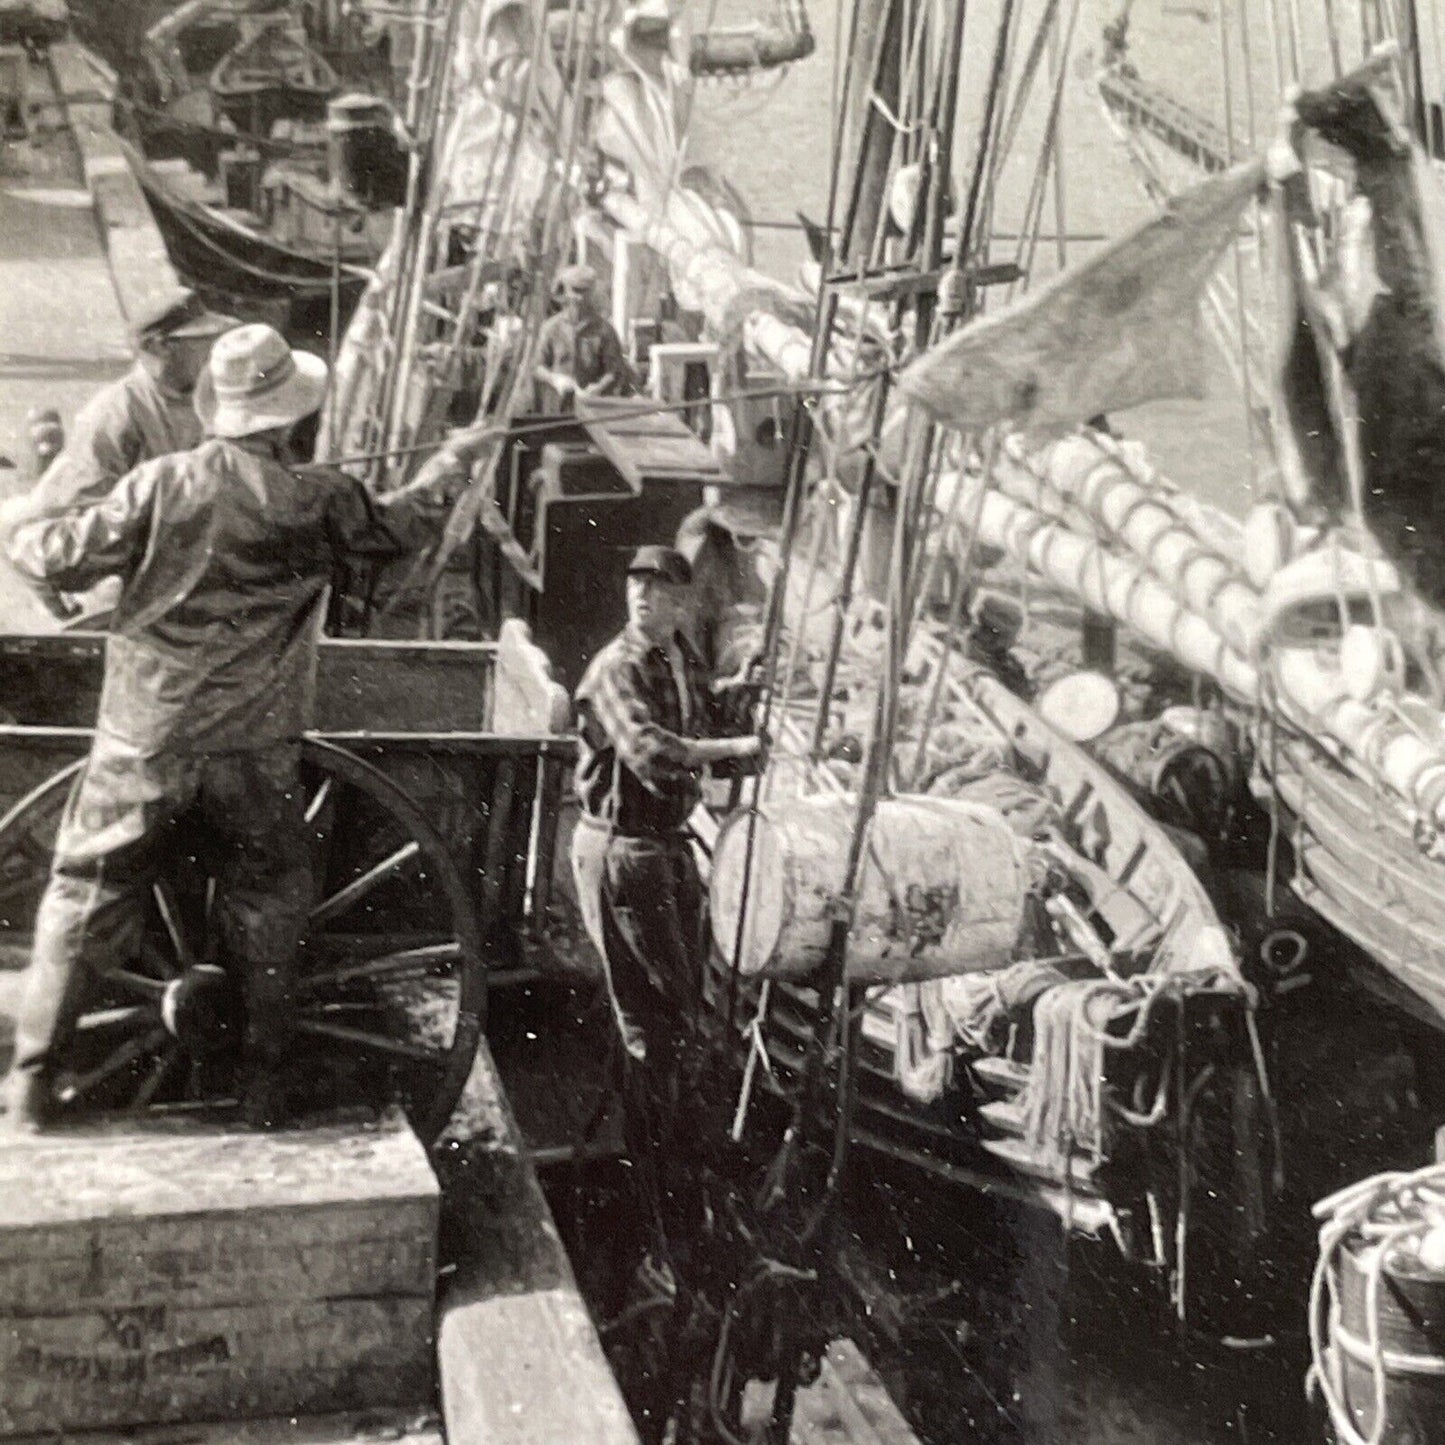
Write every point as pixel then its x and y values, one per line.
pixel 330 1251
pixel 362 685
pixel 549 808
pixel 518 847
pixel 651 447
pixel 519 1358
pixel 420 687
pixel 139 263
pixel 846 1405
pixel 411 1426
pixel 184 1168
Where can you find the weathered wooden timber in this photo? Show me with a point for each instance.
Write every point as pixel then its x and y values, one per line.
pixel 846 1405
pixel 139 262
pixel 177 1269
pixel 520 1361
pixel 411 1426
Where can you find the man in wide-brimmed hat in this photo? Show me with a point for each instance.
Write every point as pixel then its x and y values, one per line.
pixel 578 351
pixel 225 553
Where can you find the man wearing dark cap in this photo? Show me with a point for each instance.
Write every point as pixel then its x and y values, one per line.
pixel 650 727
pixel 149 412
pixel 579 353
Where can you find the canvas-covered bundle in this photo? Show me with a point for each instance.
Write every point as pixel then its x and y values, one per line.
pixel 942 888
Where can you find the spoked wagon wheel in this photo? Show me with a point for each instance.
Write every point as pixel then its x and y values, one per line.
pixel 390 988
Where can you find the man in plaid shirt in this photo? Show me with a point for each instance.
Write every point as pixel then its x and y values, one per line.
pixel 650 726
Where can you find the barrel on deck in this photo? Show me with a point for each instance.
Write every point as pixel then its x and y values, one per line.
pixel 1411 1316
pixel 941 890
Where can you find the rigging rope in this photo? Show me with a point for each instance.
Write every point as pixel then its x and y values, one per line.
pixel 1245 377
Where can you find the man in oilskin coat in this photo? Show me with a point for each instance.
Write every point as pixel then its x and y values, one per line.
pixel 225 554
pixel 147 413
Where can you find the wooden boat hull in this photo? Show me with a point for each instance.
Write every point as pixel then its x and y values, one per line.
pixel 1357 865
pixel 947 1136
pixel 211 250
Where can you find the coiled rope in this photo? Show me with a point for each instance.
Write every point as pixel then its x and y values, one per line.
pixel 1392 1213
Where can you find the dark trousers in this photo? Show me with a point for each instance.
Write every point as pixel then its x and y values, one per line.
pixel 642 901
pixel 111 849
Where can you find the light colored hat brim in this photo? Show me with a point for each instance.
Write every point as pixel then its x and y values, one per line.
pixel 298 396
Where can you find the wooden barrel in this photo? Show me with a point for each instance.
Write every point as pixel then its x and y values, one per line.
pixel 941 890
pixel 1411 1324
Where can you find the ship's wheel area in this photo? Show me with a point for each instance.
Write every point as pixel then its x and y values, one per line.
pixel 389 991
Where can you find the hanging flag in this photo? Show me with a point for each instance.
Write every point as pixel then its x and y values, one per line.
pixel 1123 328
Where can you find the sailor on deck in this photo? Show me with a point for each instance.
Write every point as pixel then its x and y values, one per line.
pixel 579 353
pixel 650 727
pixel 225 554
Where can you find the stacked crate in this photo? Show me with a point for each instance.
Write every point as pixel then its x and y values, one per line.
pixel 154 1272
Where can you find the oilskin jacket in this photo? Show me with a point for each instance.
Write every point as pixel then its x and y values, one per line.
pixel 225 557
pixel 124 424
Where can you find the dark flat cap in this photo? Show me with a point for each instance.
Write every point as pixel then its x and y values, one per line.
pixel 578 277
pixel 179 313
pixel 664 562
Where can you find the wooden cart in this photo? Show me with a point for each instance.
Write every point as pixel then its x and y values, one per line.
pixel 431 795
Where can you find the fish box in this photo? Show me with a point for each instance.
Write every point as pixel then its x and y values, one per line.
pixel 179 1270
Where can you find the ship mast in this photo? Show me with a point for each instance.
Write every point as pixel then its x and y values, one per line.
pixel 898 244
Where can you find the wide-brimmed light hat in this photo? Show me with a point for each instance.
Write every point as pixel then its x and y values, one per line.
pixel 255 382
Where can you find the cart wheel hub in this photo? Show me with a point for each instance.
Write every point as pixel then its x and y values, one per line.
pixel 193 1007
